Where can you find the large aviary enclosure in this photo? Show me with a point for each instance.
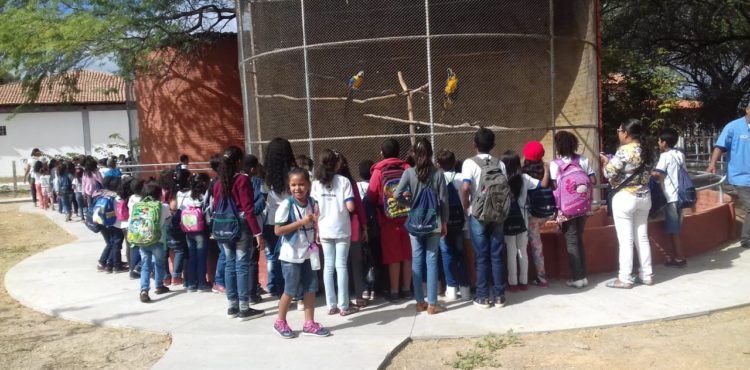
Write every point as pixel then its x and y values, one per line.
pixel 524 69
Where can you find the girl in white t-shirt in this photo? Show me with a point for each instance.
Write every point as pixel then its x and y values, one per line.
pixel 295 226
pixel 335 199
pixel 516 245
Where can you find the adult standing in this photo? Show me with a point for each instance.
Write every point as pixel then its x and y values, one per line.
pixel 628 173
pixel 28 174
pixel 735 141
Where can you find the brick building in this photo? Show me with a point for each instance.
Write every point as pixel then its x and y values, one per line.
pixel 194 108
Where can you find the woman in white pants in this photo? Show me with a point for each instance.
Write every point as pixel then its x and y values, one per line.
pixel 628 173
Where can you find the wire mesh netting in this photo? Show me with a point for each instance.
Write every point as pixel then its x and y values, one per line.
pixel 523 68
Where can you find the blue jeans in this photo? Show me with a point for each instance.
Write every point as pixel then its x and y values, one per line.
pixel 299 277
pixel 489 249
pixel 113 238
pixel 198 254
pixel 275 277
pixel 178 246
pixel 424 256
pixel 153 256
pixel 135 257
pixel 66 200
pixel 220 267
pixel 452 252
pixel 336 255
pixel 237 256
pixel 81 205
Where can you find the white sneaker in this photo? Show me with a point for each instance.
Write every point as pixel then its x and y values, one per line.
pixel 585 282
pixel 465 293
pixel 450 294
pixel 300 305
pixel 577 283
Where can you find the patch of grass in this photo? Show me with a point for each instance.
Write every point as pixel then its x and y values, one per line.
pixel 482 355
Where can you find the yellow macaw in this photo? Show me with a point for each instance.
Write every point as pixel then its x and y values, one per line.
pixel 451 89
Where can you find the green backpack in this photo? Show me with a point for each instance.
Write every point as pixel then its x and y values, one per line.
pixel 143 227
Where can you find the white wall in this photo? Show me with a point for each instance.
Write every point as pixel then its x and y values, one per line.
pixel 54 133
pixel 105 123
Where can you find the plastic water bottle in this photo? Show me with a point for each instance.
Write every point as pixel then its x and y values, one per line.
pixel 314 257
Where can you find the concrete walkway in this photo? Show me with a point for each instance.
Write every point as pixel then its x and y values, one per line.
pixel 63 282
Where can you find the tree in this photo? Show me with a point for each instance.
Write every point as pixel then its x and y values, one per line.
pixel 50 37
pixel 706 41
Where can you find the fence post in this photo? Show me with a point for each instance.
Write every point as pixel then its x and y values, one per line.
pixel 15 180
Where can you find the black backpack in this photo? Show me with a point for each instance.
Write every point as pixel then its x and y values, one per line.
pixel 542 203
pixel 515 223
pixel 456 216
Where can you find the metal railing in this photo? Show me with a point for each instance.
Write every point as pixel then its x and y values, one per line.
pixel 145 168
pixel 699 176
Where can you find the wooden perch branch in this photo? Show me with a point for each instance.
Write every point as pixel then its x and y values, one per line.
pixel 343 98
pixel 475 124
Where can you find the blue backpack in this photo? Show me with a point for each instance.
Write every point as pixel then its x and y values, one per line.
pixel 259 200
pixel 423 217
pixel 686 194
pixel 103 212
pixel 89 220
pixel 456 216
pixel 226 221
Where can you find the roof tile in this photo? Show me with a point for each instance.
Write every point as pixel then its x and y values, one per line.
pixel 94 88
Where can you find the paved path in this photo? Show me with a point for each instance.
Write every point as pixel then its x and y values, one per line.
pixel 63 282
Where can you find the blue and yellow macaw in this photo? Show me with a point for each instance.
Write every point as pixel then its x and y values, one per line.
pixel 355 82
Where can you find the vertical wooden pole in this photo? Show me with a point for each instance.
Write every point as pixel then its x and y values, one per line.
pixel 409 106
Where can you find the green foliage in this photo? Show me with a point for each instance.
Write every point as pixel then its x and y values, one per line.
pixel 706 41
pixel 483 353
pixel 49 37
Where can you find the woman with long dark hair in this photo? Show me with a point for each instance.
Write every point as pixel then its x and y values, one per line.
pixel 279 159
pixel 239 253
pixel 425 246
pixel 628 172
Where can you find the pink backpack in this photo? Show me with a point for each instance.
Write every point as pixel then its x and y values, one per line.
pixel 122 213
pixel 573 193
pixel 191 220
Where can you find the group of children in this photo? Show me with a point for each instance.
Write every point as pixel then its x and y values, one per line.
pixel 400 230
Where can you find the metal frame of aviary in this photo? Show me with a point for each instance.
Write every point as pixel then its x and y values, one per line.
pixel 348 74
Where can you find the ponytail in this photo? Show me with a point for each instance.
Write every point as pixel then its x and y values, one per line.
pixel 228 166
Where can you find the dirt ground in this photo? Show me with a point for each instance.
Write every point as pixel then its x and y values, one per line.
pixel 32 340
pixel 716 341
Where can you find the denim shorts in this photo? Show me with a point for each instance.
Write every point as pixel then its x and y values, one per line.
pixel 299 276
pixel 672 218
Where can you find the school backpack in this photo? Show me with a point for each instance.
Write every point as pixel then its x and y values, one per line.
pixel 456 216
pixel 64 184
pixel 491 202
pixel 89 219
pixel 542 203
pixel 573 193
pixel 423 218
pixel 515 223
pixel 122 212
pixel 144 227
pixel 226 221
pixel 104 211
pixel 291 237
pixel 390 176
pixel 259 201
pixel 686 193
pixel 191 219
pixel 175 236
